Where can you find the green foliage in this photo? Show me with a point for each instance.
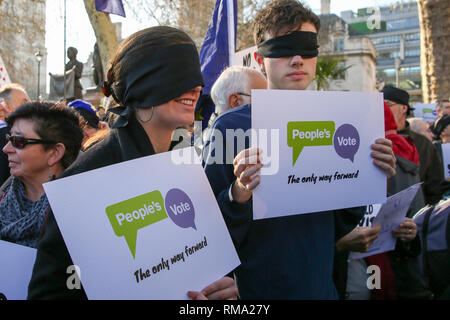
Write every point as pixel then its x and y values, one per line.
pixel 327 69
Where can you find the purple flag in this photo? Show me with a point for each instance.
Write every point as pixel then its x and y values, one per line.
pixel 110 6
pixel 216 53
pixel 218 47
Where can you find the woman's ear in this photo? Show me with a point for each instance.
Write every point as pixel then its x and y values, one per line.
pixel 57 153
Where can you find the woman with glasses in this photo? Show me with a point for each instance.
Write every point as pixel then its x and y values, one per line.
pixel 44 140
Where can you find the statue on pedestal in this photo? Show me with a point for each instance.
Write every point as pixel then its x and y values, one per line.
pixel 78 69
pixel 97 66
pixel 72 87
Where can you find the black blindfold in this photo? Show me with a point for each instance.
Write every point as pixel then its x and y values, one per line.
pixel 297 43
pixel 162 76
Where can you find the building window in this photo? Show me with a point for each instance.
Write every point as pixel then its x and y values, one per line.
pixel 339 44
pixel 412 53
pixel 341 65
pixel 412 36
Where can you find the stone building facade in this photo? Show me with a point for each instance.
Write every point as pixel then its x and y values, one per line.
pixel 337 39
pixel 22 29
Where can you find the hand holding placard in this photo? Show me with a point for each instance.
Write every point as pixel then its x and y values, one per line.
pixel 247 165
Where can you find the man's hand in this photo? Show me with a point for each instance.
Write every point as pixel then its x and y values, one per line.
pixel 383 156
pixel 223 289
pixel 359 239
pixel 247 166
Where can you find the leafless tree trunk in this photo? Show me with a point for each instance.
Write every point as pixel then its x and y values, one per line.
pixel 105 32
pixel 434 18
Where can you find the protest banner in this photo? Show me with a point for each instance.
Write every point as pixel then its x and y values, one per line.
pixel 426 111
pixel 156 233
pixel 446 159
pixel 389 216
pixel 4 77
pixel 246 58
pixel 16 267
pixel 320 160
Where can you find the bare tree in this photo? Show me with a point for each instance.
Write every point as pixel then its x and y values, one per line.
pixel 434 16
pixel 105 32
pixel 163 12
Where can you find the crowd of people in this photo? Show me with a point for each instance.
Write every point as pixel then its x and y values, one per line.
pixel 153 84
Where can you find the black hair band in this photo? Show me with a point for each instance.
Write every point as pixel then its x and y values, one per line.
pixel 296 43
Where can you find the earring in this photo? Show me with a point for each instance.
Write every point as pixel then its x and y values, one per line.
pixel 51 176
pixel 138 111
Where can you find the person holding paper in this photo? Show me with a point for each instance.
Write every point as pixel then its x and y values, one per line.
pixel 288 257
pixel 351 278
pixel 44 140
pixel 155 77
pixel 431 171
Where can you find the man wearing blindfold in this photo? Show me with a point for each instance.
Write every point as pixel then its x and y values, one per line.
pixel 288 257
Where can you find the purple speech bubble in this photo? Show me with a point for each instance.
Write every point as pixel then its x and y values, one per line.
pixel 180 209
pixel 346 141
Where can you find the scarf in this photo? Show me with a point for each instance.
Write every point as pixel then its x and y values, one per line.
pixel 20 218
pixel 403 147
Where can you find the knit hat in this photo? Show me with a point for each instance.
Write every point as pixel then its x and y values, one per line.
pixel 87 111
pixel 439 125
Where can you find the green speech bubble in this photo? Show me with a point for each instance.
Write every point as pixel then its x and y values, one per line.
pixel 302 134
pixel 128 216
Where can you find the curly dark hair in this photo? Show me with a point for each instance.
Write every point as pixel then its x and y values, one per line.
pixel 280 14
pixel 54 122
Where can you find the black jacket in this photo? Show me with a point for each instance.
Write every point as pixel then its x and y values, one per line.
pixel 126 142
pixel 4 168
pixel 431 168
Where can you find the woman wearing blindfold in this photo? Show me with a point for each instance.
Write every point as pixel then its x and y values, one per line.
pixel 44 140
pixel 155 78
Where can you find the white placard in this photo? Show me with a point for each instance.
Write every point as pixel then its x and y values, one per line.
pixel 371 212
pixel 16 267
pixel 446 159
pixel 187 249
pixel 246 58
pixel 426 111
pixel 338 172
pixel 391 214
pixel 4 77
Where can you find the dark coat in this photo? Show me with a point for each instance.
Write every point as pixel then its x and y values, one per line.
pixel 4 168
pixel 431 168
pixel 408 174
pixel 128 141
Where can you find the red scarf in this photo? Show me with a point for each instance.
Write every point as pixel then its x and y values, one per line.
pixel 403 147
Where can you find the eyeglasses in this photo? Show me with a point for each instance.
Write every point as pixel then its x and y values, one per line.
pixel 19 142
pixel 391 104
pixel 244 94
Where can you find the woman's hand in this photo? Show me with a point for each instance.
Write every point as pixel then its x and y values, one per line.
pixel 383 156
pixel 247 165
pixel 223 289
pixel 406 231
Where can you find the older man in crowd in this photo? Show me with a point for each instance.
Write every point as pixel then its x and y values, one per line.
pixel 11 97
pixel 420 126
pixel 431 170
pixel 233 87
